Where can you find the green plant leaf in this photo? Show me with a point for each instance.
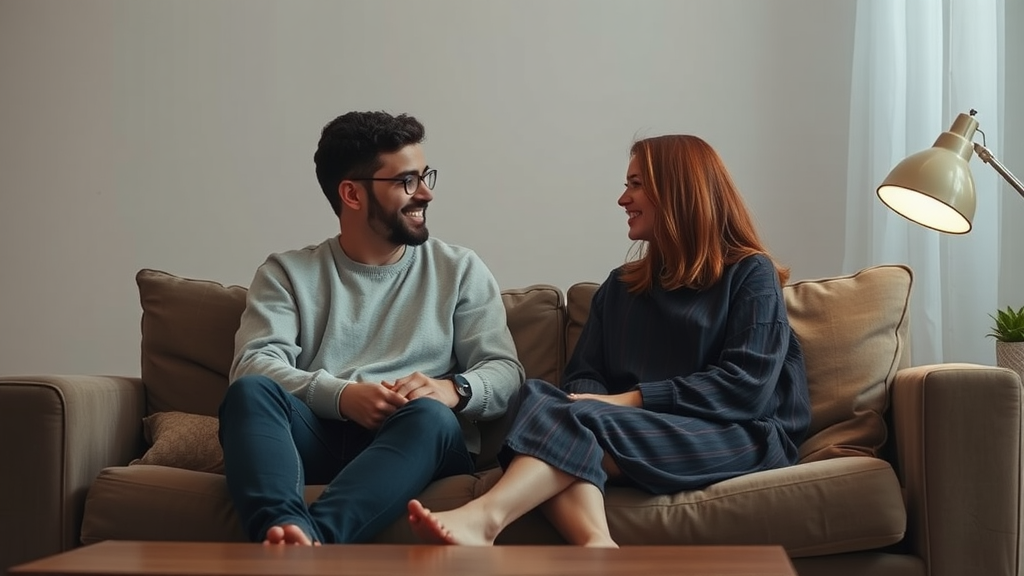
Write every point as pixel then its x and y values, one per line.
pixel 1009 325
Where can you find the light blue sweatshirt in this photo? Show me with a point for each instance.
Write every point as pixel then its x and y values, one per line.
pixel 315 320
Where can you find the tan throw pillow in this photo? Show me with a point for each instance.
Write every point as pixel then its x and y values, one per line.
pixel 181 440
pixel 578 298
pixel 853 330
pixel 188 341
pixel 536 320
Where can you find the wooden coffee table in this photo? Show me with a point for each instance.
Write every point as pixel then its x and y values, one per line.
pixel 236 559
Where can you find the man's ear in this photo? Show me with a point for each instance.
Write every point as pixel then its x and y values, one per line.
pixel 350 194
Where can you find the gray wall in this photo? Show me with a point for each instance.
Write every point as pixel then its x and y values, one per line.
pixel 179 136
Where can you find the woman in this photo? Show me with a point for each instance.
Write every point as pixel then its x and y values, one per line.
pixel 686 372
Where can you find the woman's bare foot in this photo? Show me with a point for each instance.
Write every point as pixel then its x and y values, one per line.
pixel 426 526
pixel 288 534
pixel 459 526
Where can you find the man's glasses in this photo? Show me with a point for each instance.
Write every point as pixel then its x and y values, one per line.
pixel 412 181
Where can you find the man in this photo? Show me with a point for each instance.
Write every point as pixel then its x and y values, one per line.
pixel 362 362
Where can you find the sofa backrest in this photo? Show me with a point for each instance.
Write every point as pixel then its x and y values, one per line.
pixel 853 330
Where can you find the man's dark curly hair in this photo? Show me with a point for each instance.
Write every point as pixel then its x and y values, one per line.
pixel 351 145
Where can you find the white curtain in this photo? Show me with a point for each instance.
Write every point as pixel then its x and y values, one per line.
pixel 916 65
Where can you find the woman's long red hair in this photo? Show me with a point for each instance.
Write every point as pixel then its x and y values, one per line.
pixel 702 224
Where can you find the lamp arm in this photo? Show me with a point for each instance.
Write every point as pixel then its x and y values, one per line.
pixel 988 158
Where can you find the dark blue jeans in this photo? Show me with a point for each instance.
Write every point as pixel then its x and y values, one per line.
pixel 274 445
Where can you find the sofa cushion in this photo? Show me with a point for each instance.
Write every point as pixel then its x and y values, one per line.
pixel 188 332
pixel 536 317
pixel 839 505
pixel 159 503
pixel 577 308
pixel 188 340
pixel 195 506
pixel 182 440
pixel 828 507
pixel 853 330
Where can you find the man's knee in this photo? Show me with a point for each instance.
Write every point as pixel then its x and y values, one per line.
pixel 428 410
pixel 246 390
pixel 426 417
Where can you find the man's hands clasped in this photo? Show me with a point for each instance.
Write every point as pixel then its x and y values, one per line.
pixel 368 404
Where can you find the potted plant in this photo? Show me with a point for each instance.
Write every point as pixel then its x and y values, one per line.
pixel 1008 331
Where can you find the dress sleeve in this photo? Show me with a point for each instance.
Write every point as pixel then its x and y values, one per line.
pixel 740 384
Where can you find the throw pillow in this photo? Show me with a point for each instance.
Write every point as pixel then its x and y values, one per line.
pixel 188 341
pixel 536 318
pixel 853 330
pixel 182 440
pixel 578 298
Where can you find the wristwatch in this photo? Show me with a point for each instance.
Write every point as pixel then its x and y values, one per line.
pixel 464 390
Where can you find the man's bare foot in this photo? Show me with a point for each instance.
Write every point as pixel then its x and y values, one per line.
pixel 459 526
pixel 288 534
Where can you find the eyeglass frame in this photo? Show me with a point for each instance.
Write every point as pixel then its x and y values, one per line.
pixel 408 180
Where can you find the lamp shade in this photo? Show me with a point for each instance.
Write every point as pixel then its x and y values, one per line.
pixel 934 187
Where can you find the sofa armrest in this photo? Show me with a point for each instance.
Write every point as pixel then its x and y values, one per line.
pixel 58 433
pixel 958 440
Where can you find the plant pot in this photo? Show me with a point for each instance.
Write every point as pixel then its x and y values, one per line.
pixel 1010 355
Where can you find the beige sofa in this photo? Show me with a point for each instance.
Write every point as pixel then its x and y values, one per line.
pixel 907 470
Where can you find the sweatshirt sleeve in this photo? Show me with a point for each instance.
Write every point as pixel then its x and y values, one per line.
pixel 267 343
pixel 483 344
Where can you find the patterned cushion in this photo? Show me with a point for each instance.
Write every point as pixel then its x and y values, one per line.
pixel 181 440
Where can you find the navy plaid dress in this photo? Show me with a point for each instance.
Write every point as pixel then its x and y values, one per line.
pixel 720 371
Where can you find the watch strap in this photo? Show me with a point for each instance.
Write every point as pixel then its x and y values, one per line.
pixel 464 390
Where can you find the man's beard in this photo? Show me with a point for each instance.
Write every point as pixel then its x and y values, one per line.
pixel 393 227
